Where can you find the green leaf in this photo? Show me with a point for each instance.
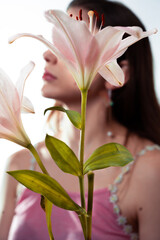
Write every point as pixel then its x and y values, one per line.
pixel 63 156
pixel 47 207
pixel 111 154
pixel 75 117
pixel 48 187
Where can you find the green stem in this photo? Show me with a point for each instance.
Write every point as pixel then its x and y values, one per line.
pixel 81 158
pixel 48 210
pixel 35 154
pixel 82 219
pixel 82 192
pixel 82 136
pixel 90 204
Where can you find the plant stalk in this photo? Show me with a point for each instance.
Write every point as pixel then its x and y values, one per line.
pixel 82 136
pixel 90 204
pixel 35 154
pixel 48 210
pixel 83 219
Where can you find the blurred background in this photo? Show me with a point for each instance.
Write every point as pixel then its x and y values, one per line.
pixel 27 16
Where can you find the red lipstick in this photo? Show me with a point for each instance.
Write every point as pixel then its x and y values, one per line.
pixel 48 77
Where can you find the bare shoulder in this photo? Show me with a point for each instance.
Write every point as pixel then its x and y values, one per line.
pixel 147 156
pixel 19 160
pixel 145 190
pixel 146 174
pixel 148 162
pixel 22 159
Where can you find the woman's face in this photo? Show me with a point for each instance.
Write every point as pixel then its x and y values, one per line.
pixel 58 81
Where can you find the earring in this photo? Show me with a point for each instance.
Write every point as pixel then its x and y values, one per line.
pixel 109 113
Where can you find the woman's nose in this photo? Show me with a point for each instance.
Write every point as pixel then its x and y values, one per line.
pixel 50 57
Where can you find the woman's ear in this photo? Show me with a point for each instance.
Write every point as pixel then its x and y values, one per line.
pixel 124 64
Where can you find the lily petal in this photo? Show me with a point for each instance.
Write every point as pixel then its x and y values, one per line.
pixel 11 126
pixel 9 136
pixel 25 72
pixel 26 103
pixel 108 39
pixel 27 106
pixel 47 43
pixel 137 31
pixel 38 37
pixel 66 35
pixel 126 42
pixel 85 52
pixel 6 87
pixel 112 73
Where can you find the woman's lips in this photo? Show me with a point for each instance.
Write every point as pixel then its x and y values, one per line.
pixel 48 77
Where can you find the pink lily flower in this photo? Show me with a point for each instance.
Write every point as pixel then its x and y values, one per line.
pixel 12 103
pixel 86 50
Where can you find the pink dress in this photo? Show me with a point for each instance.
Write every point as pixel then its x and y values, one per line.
pixel 29 221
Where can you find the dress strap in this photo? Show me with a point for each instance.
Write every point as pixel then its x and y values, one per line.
pixel 126 168
pixel 146 149
pixel 32 163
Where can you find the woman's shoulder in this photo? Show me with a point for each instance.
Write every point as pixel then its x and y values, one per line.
pixel 148 152
pixel 22 158
pixel 19 160
pixel 145 180
pixel 147 163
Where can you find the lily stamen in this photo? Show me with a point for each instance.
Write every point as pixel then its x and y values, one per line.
pixel 77 18
pixel 80 14
pixel 102 17
pixel 91 14
pixel 97 15
pixel 102 22
pixel 93 25
pixel 96 20
pixel 71 15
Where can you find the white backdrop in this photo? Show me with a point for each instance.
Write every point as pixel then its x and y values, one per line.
pixel 27 16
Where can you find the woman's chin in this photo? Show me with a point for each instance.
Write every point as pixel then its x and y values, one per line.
pixel 46 93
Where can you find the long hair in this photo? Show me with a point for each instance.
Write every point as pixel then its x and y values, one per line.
pixel 135 104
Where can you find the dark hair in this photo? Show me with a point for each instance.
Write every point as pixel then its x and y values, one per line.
pixel 135 104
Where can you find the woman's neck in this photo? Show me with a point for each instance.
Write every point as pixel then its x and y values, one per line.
pixel 96 127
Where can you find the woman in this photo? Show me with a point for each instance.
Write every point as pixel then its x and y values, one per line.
pixel 126 200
